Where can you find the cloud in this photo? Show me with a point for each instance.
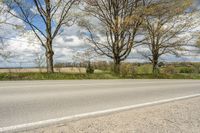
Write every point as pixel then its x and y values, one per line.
pixel 8 24
pixel 25 47
pixel 66 45
pixel 68 41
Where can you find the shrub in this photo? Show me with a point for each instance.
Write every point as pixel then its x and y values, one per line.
pixel 187 70
pixel 161 64
pixel 145 69
pixel 127 70
pixel 197 68
pixel 89 69
pixel 170 70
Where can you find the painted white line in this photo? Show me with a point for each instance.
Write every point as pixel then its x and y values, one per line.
pixel 79 116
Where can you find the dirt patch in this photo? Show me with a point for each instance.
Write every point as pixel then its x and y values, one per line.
pixel 175 117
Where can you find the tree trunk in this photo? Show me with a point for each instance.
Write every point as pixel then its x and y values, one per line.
pixel 49 56
pixel 49 49
pixel 117 64
pixel 155 70
pixel 49 61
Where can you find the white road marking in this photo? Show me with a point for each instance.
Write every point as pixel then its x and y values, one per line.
pixel 79 116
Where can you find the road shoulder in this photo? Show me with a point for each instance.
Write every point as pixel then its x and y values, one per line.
pixel 179 116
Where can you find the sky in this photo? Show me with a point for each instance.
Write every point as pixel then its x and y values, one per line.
pixel 25 47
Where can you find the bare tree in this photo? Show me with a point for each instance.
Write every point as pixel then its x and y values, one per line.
pixel 85 57
pixel 50 14
pixel 2 21
pixel 117 23
pixel 165 27
pixel 39 60
pixel 4 53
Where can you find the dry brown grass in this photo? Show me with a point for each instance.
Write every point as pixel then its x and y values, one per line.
pixel 29 70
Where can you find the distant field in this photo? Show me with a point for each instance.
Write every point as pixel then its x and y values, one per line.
pixel 35 70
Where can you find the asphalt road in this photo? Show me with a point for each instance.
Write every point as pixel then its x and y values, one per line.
pixel 31 101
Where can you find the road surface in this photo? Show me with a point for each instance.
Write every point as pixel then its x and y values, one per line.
pixel 31 101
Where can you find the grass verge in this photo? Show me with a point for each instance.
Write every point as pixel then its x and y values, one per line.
pixel 70 76
pixel 54 76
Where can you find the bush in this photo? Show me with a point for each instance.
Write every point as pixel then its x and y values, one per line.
pixel 145 69
pixel 127 70
pixel 197 68
pixel 170 70
pixel 187 70
pixel 89 69
pixel 161 64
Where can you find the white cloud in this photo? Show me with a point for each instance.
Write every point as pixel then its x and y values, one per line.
pixel 26 46
pixel 66 45
pixel 8 24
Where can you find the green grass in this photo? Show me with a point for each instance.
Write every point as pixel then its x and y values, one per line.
pixel 67 76
pixel 168 76
pixel 144 69
pixel 54 76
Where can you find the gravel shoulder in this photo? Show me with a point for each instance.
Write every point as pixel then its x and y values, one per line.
pixel 174 117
